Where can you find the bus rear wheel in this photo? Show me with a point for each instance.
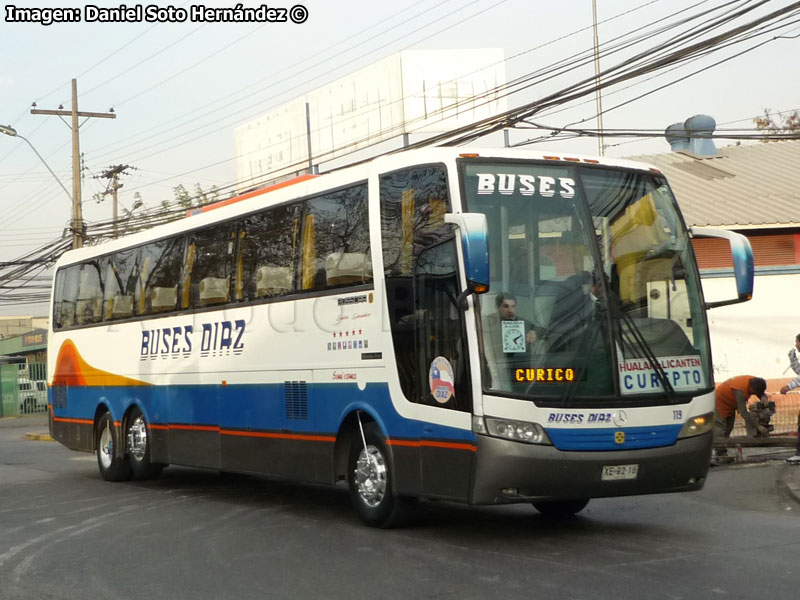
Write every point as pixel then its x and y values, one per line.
pixel 113 465
pixel 369 477
pixel 137 436
pixel 560 508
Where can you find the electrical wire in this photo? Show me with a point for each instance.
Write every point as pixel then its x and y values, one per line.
pixel 680 50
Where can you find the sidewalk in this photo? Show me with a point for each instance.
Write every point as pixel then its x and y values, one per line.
pixel 35 420
pixel 787 481
pixel 35 426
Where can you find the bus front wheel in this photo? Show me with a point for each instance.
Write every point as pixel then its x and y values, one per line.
pixel 113 465
pixel 137 436
pixel 369 478
pixel 560 508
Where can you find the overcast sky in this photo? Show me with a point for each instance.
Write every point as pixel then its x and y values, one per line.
pixel 179 90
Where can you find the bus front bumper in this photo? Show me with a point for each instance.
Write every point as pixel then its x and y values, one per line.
pixel 507 471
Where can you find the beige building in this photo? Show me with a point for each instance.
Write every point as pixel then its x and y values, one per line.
pixel 753 190
pixel 17 325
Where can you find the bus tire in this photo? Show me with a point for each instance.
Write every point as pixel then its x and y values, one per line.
pixel 561 508
pixel 138 444
pixel 113 465
pixel 369 478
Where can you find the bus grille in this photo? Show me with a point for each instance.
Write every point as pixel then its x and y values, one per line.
pixel 605 439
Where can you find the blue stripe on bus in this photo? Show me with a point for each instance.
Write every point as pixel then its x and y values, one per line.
pixel 254 406
pixel 606 439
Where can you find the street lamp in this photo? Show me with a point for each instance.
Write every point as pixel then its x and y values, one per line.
pixel 8 130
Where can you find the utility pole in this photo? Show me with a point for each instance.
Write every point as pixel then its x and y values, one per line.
pixel 113 174
pixel 77 209
pixel 600 145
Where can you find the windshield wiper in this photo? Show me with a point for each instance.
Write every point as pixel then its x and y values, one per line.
pixel 615 305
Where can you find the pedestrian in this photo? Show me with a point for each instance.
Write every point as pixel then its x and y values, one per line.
pixel 731 397
pixel 794 384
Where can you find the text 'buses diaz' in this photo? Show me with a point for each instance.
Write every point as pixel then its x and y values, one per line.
pixel 489 327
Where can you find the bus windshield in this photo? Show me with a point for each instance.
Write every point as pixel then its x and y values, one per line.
pixel 594 289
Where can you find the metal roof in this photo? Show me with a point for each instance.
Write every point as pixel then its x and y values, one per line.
pixel 743 187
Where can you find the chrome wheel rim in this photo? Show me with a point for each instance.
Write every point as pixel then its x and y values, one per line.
pixel 105 451
pixel 370 476
pixel 137 438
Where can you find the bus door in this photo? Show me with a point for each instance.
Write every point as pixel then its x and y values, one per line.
pixel 420 268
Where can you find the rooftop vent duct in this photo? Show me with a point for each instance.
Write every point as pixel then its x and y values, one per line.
pixel 693 136
pixel 677 137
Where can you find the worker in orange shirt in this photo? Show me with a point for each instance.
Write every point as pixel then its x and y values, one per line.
pixel 731 397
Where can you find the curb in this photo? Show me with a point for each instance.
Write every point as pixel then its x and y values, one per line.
pixel 791 488
pixel 39 437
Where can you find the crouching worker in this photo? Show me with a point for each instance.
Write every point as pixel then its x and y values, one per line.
pixel 731 397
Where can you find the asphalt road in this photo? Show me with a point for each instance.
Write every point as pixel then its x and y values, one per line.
pixel 196 534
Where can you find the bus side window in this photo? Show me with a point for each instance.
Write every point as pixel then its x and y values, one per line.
pixel 157 291
pixel 120 284
pixel 66 294
pixel 209 259
pixel 419 258
pixel 335 240
pixel 89 302
pixel 266 253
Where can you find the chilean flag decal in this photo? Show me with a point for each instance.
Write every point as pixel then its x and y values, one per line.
pixel 440 379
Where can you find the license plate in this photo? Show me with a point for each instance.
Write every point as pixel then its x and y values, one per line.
pixel 617 472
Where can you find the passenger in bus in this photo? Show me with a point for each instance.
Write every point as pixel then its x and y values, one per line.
pixel 510 338
pixel 793 385
pixel 731 397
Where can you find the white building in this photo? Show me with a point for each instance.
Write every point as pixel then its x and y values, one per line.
pixel 414 92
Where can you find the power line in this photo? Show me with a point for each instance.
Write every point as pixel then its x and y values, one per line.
pixel 663 56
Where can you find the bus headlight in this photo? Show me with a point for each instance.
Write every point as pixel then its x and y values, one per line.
pixel 508 429
pixel 697 425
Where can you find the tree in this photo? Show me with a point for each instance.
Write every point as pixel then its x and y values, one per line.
pixel 200 197
pixel 778 123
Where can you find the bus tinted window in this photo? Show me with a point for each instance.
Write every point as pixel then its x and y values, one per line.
pixel 160 275
pixel 324 239
pixel 89 301
pixel 335 240
pixel 265 264
pixel 207 272
pixel 66 292
pixel 121 272
pixel 419 257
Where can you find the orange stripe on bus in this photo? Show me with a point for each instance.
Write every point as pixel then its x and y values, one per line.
pixel 194 427
pixel 285 436
pixel 433 444
pixel 79 421
pixel 242 433
pixel 251 194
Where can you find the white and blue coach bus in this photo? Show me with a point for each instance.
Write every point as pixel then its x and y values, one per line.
pixel 485 327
